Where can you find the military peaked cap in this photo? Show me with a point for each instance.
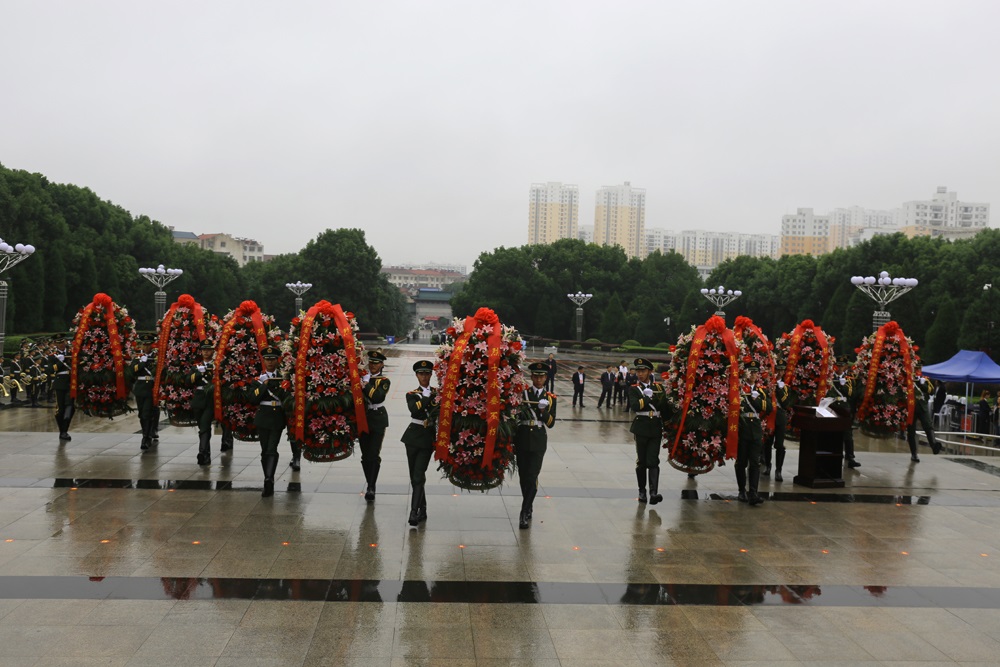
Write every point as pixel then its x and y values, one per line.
pixel 147 338
pixel 270 352
pixel 206 345
pixel 642 363
pixel 423 366
pixel 539 368
pixel 375 355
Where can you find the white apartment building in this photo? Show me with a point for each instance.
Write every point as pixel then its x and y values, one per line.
pixel 664 240
pixel 805 233
pixel 620 218
pixel 585 233
pixel 945 210
pixel 553 212
pixel 241 249
pixel 421 278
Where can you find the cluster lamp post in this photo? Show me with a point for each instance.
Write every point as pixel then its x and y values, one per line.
pixel 10 256
pixel 160 277
pixel 988 289
pixel 721 297
pixel 883 290
pixel 579 299
pixel 299 288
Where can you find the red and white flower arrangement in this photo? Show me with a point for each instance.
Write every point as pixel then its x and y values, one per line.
pixel 807 355
pixel 325 406
pixel 479 372
pixel 245 331
pixel 184 327
pixel 886 367
pixel 102 344
pixel 704 381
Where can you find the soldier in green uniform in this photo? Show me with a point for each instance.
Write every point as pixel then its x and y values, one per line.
pixel 376 388
pixel 268 394
pixel 844 392
pixel 58 367
pixel 923 389
pixel 776 439
pixel 36 374
pixel 143 370
pixel 648 400
pixel 419 437
pixel 537 415
pixel 753 408
pixel 203 401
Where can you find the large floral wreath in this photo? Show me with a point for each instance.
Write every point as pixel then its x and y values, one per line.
pixel 325 405
pixel 182 330
pixel 704 380
pixel 886 366
pixel 760 352
pixel 103 342
pixel 238 365
pixel 807 355
pixel 479 373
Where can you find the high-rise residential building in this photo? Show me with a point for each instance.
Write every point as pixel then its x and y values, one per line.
pixel 585 233
pixel 553 212
pixel 944 211
pixel 805 233
pixel 846 223
pixel 620 218
pixel 663 240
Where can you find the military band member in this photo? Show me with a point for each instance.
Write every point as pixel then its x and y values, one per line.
pixel 36 375
pixel 15 375
pixel 753 408
pixel 203 401
pixel 844 389
pixel 419 437
pixel 648 400
pixel 375 390
pixel 923 389
pixel 143 369
pixel 270 419
pixel 538 414
pixel 58 367
pixel 776 439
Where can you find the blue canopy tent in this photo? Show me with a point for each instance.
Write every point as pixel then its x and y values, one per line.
pixel 967 366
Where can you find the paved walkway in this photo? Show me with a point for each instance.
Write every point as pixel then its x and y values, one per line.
pixel 111 556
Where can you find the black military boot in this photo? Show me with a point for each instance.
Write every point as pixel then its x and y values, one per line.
pixel 753 497
pixel 269 464
pixel 204 448
pixel 369 483
pixel 913 452
pixel 524 520
pixel 423 504
pixel 415 506
pixel 779 460
pixel 296 457
pixel 654 486
pixel 640 476
pixel 372 478
pixel 741 483
pixel 227 440
pixel 154 427
pixel 935 445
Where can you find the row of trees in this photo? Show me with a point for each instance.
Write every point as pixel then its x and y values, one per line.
pixel 86 245
pixel 948 311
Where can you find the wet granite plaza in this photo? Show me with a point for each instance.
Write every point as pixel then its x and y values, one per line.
pixel 111 556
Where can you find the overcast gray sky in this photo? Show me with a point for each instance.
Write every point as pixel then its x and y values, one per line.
pixel 424 123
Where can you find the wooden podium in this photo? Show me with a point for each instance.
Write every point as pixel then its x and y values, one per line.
pixel 821 448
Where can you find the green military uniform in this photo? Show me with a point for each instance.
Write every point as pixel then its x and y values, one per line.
pixel 270 418
pixel 923 389
pixel 143 370
pixel 419 439
pixel 776 440
pixel 36 377
pixel 843 389
pixel 537 415
pixel 15 374
pixel 649 402
pixel 57 365
pixel 203 405
pixel 753 409
pixel 375 391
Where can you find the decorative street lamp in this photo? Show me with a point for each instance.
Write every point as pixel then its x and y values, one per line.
pixel 721 297
pixel 579 299
pixel 883 291
pixel 10 256
pixel 160 277
pixel 988 289
pixel 299 288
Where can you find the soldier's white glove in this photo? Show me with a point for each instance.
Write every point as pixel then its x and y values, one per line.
pixel 843 381
pixel 923 380
pixel 426 391
pixel 365 378
pixel 201 368
pixel 61 357
pixel 647 392
pixel 144 358
pixel 543 403
pixel 264 377
pixel 781 384
pixel 754 394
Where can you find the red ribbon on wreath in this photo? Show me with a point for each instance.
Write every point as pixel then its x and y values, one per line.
pixel 715 324
pixel 889 330
pixel 795 352
pixel 103 301
pixel 247 310
pixel 184 301
pixel 450 386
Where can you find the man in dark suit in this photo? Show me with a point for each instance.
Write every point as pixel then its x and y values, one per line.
pixel 607 387
pixel 578 379
pixel 550 373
